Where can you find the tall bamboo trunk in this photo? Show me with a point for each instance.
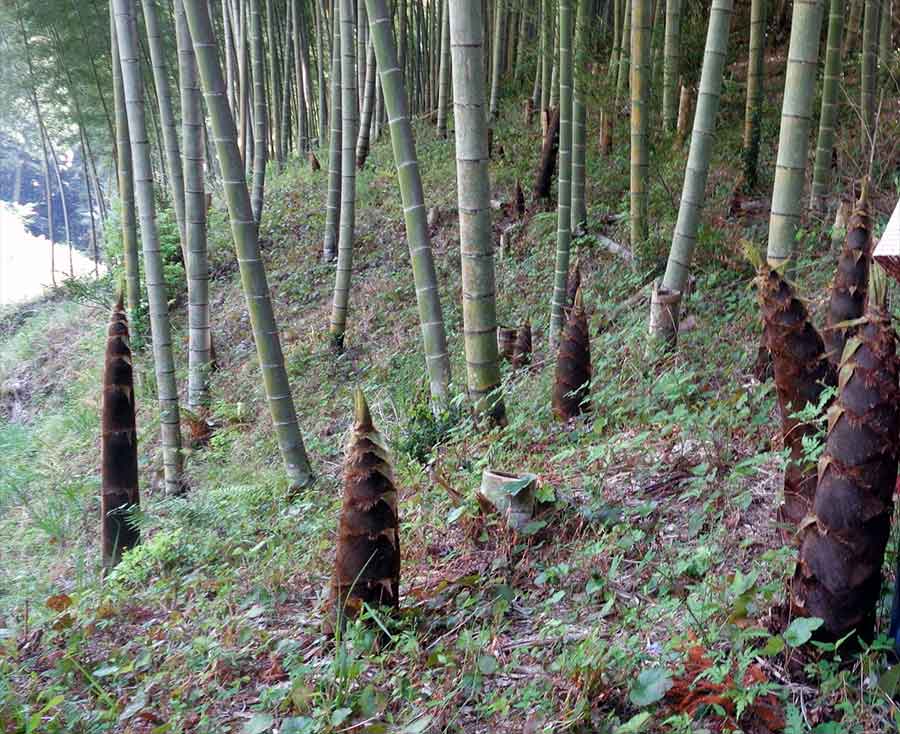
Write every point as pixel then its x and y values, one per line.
pixel 63 201
pixel 796 121
pixel 260 112
pixel 231 63
pixel 48 203
pixel 197 264
pixel 245 233
pixel 431 319
pixel 473 191
pixel 125 181
pixel 753 109
pixel 869 76
pixel 333 202
pixel 497 64
pixel 304 120
pixel 693 193
pixel 821 183
pixel 365 123
pixel 624 54
pixel 548 25
pixel 640 118
pixel 274 85
pixel 616 41
pixel 671 64
pixel 444 73
pixel 579 120
pixel 852 36
pixel 885 34
pixel 340 303
pixel 320 72
pixel 564 205
pixel 166 115
pixel 163 359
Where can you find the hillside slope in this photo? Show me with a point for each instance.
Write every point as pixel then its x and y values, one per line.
pixel 654 559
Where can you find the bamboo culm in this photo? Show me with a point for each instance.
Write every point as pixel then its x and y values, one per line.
pixel 126 183
pixel 333 202
pixel 245 233
pixel 640 118
pixel 564 204
pixel 796 121
pixel 431 319
pixel 160 328
pixel 193 150
pixel 473 191
pixel 340 303
pixel 693 193
pixel 821 183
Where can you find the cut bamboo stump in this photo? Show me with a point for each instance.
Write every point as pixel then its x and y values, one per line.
pixel 511 495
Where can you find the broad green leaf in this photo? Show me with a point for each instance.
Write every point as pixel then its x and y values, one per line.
pixel 889 679
pixel 801 629
pixel 773 646
pixel 299 725
pixel 634 724
pixel 487 664
pixel 417 726
pixel 651 685
pixel 339 716
pixel 105 671
pixel 258 724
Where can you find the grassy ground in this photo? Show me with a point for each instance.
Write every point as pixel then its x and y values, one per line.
pixel 654 564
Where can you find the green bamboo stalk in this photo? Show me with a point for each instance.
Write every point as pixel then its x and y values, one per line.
pixel 616 42
pixel 624 55
pixel 693 194
pixel 671 64
pixel 304 119
pixel 497 65
pixel 640 117
pixel 275 85
pixel 657 32
pixel 564 204
pixel 260 112
pixel 821 183
pixel 341 299
pixel 473 191
pixel 579 119
pixel 796 121
pixel 547 31
pixel 365 123
pixel 434 339
pixel 245 233
pixel 286 92
pixel 753 108
pixel 126 183
pixel 869 71
pixel 444 73
pixel 554 74
pixel 885 33
pixel 361 27
pixel 852 34
pixel 160 329
pixel 166 115
pixel 199 343
pixel 333 202
pixel 320 72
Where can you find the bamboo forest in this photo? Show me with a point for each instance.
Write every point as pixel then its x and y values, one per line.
pixel 449 366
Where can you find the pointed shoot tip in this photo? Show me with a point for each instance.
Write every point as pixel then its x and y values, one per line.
pixel 361 410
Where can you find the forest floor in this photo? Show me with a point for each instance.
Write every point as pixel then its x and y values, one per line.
pixel 646 596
